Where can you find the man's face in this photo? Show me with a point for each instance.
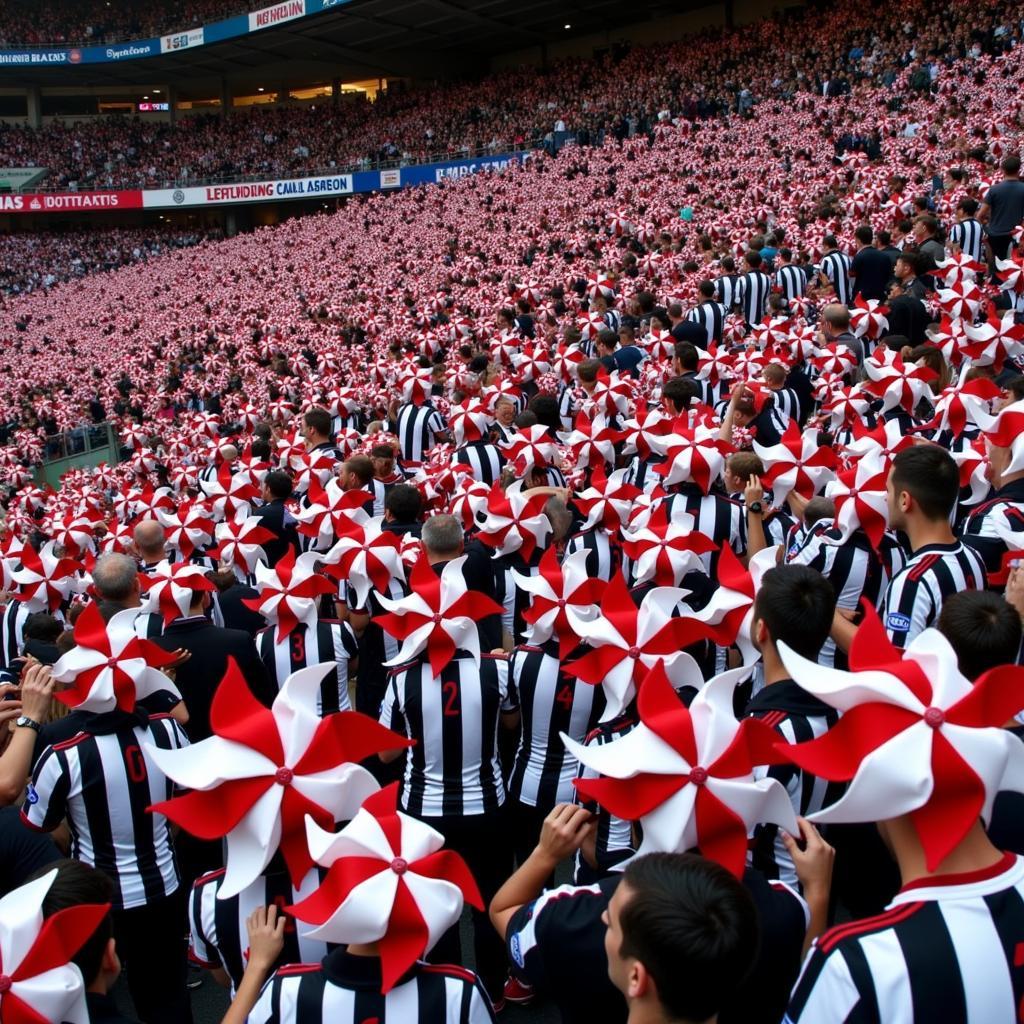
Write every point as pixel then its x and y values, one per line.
pixel 897 519
pixel 920 233
pixel 619 967
pixel 505 413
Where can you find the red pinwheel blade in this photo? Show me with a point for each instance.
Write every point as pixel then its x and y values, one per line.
pixel 61 937
pixel 347 737
pixel 236 714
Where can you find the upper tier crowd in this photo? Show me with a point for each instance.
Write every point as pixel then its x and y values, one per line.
pixel 651 513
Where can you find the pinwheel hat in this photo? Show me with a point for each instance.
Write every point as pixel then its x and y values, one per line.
pixel 389 882
pixel 265 770
pixel 38 983
pixel 687 773
pixel 915 738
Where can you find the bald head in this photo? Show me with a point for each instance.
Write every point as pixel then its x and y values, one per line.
pixel 116 578
pixel 229 453
pixel 149 540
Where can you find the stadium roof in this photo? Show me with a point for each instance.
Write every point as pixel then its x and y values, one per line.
pixel 370 38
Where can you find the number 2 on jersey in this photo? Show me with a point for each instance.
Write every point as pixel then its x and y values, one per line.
pixel 450 689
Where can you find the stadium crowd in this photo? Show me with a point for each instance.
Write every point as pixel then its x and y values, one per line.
pixel 31 261
pixel 651 512
pixel 788 60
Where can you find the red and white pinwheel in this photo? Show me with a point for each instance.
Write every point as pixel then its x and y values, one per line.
pixel 959 407
pixel 240 543
pixel 469 423
pixel 961 301
pixel 592 442
pixel 895 383
pixel 868 318
pixel 797 463
pixel 915 737
pixel 265 770
pixel 554 588
pixel 688 773
pixel 643 433
pixel 40 983
pixel 388 882
pixel 663 551
pixel 608 501
pixel 992 342
pixel 514 521
pixel 692 455
pixel 289 592
pixel 44 581
pixel 230 494
pixel 1011 273
pixel 170 588
pixel 835 358
pixel 973 464
pixel 600 284
pixel 439 616
pixel 532 448
pixel 188 529
pixel 958 267
pixel 110 666
pixel 1006 430
pixel 329 512
pixel 74 533
pixel 860 499
pixel 366 556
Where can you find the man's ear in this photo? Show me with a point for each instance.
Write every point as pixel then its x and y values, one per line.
pixel 640 983
pixel 760 632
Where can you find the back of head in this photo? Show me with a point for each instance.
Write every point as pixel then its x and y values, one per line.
pixel 78 884
pixel 830 242
pixel 115 576
pixel 279 484
pixel 864 234
pixel 836 315
pixel 545 408
pixel 361 467
pixel 774 374
pixel 983 628
pixel 728 264
pixel 443 537
pixel 753 260
pixel 687 354
pixel 694 928
pixel 930 476
pixel 745 464
pixel 706 289
pixel 149 540
pixel 819 508
pixel 679 392
pixel 588 370
pixel 318 420
pixel 404 502
pixel 1011 165
pixel 796 604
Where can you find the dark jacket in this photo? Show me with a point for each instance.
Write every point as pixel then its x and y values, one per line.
pixel 237 615
pixel 271 516
pixel 198 678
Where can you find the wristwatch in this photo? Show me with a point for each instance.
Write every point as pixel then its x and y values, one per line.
pixel 755 507
pixel 24 722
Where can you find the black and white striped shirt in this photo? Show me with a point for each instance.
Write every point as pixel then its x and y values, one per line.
pixel 968 234
pixel 483 459
pixel 417 427
pixel 103 783
pixel 946 949
pixel 915 595
pixel 346 989
pixel 12 631
pixel 303 648
pixel 752 292
pixel 710 316
pixel 551 702
pixel 726 288
pixel 797 717
pixel 602 558
pixel 717 517
pixel 452 770
pixel 836 268
pixel 217 932
pixel 979 528
pixel 791 280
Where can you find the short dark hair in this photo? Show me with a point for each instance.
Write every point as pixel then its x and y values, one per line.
pixel 885 237
pixel 694 928
pixel 588 370
pixel 930 476
pixel 679 392
pixel 78 884
pixel 361 466
pixel 797 604
pixel 912 260
pixel 983 628
pixel 404 502
pixel 864 234
pixel 1011 164
pixel 260 449
pixel 707 289
pixel 687 354
pixel 318 419
pixel 545 408
pixel 279 483
pixel 752 258
pixel 968 205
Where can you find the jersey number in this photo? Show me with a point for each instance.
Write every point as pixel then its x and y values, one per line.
pixel 564 697
pixel 135 763
pixel 280 902
pixel 298 648
pixel 450 689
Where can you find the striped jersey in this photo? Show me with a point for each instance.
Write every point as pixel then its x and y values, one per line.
pixel 453 769
pixel 12 631
pixel 979 528
pixel 483 460
pixel 551 703
pixel 915 595
pixel 711 317
pixel 752 292
pixel 304 647
pixel 725 289
pixel 797 717
pixel 836 268
pixel 417 427
pixel 947 948
pixel 717 517
pixel 602 556
pixel 968 234
pixel 102 782
pixel 346 989
pixel 791 281
pixel 217 934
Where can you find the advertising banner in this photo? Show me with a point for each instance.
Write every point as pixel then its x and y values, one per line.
pixel 62 202
pixel 249 192
pixel 182 40
pixel 276 14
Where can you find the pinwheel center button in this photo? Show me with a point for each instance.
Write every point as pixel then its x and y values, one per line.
pixel 5 983
pixel 934 717
pixel 560 602
pixel 699 776
pixel 284 776
pixel 111 662
pixel 438 619
pixel 399 865
pixel 634 652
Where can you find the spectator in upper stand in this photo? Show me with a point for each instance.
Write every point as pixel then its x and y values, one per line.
pixel 926 229
pixel 615 358
pixel 1003 208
